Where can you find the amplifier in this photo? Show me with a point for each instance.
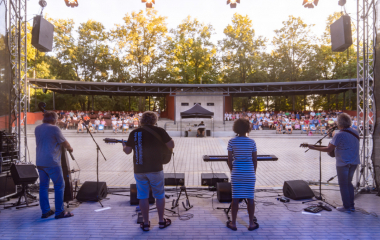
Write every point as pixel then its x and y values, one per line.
pixel 177 179
pixel 24 174
pixel 210 179
pixel 224 192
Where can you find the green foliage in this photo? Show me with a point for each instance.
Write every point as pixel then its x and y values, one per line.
pixel 141 49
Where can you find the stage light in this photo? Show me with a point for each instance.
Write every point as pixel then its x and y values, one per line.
pixel 149 3
pixel 71 3
pixel 233 3
pixel 342 2
pixel 310 3
pixel 42 3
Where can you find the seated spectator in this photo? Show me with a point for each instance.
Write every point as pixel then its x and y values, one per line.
pixel 80 126
pixel 289 128
pixel 119 123
pixel 75 118
pixel 279 127
pixel 297 124
pixel 103 122
pixel 114 125
pixel 270 122
pixel 97 123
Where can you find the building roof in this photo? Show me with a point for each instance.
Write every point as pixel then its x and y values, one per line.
pixel 228 89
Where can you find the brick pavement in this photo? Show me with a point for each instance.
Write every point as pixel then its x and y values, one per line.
pixel 117 171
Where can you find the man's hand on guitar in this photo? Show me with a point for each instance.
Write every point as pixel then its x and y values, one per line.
pixel 310 146
pixel 70 149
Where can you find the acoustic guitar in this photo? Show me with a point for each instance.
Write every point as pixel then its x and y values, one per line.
pixel 306 145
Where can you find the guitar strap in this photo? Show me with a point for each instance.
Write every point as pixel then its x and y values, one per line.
pixel 353 134
pixel 156 135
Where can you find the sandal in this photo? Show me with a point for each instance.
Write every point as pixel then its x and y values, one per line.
pixel 48 214
pixel 145 227
pixel 64 215
pixel 166 223
pixel 254 228
pixel 230 227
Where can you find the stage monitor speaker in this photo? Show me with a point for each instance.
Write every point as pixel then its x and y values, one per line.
pixel 133 195
pixel 341 35
pixel 224 192
pixel 42 34
pixel 297 190
pixel 210 179
pixel 89 191
pixel 24 174
pixel 177 179
pixel 7 186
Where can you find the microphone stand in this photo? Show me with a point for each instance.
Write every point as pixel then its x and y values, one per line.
pixel 320 198
pixel 97 165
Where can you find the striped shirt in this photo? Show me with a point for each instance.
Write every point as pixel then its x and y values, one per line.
pixel 242 147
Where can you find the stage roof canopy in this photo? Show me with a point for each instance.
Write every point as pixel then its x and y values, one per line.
pixel 228 89
pixel 197 111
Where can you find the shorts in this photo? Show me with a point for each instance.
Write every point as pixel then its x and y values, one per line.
pixel 155 180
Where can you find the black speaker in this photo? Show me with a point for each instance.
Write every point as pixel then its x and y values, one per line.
pixel 89 191
pixel 177 179
pixel 341 35
pixel 224 192
pixel 24 174
pixel 210 179
pixel 42 34
pixel 133 195
pixel 297 190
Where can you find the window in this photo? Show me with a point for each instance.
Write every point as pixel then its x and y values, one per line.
pixel 210 104
pixel 197 103
pixel 185 104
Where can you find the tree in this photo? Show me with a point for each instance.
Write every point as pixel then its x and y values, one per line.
pixel 139 42
pixel 191 54
pixel 241 51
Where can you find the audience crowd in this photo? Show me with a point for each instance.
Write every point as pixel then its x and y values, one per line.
pixel 117 121
pixel 285 122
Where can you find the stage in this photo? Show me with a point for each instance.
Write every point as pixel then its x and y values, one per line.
pixel 276 220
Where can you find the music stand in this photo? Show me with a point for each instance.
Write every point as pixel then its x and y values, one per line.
pixel 98 199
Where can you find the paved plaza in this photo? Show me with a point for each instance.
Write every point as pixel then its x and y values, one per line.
pixel 204 221
pixel 293 163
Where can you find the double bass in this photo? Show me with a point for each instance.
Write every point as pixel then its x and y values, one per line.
pixel 69 192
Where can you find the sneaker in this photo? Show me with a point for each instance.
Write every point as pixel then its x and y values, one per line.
pixel 342 209
pixel 352 209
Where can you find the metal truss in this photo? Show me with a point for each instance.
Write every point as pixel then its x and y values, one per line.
pixel 236 90
pixel 366 40
pixel 17 40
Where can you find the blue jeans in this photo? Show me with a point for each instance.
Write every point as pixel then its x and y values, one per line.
pixel 345 176
pixel 56 175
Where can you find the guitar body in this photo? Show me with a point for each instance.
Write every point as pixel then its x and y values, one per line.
pixel 69 192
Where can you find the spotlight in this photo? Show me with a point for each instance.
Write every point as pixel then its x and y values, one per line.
pixel 310 3
pixel 233 3
pixel 42 3
pixel 342 2
pixel 149 3
pixel 71 3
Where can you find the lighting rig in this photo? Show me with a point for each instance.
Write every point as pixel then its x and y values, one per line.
pixel 310 3
pixel 71 3
pixel 149 3
pixel 233 3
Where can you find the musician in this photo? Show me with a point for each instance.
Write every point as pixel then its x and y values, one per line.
pixel 346 147
pixel 147 158
pixel 201 129
pixel 49 139
pixel 242 161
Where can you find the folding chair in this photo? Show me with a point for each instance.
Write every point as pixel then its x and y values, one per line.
pixel 100 128
pixel 303 129
pixel 125 128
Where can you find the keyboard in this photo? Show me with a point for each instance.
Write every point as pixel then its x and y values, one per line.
pixel 224 158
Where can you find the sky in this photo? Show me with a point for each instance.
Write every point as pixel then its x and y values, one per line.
pixel 266 15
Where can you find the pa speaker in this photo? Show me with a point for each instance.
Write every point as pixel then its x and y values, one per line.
pixel 7 186
pixel 42 34
pixel 133 195
pixel 224 192
pixel 297 190
pixel 24 174
pixel 90 191
pixel 341 35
